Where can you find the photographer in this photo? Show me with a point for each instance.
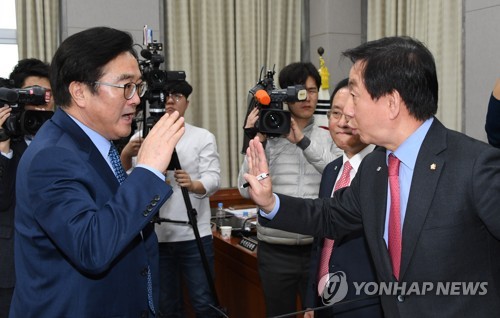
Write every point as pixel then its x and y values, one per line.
pixel 27 72
pixel 296 163
pixel 200 175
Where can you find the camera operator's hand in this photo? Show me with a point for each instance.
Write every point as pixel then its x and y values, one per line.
pixel 4 114
pixel 183 179
pixel 252 118
pixel 157 148
pixel 295 134
pixel 130 150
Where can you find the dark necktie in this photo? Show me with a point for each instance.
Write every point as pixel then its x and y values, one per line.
pixel 121 175
pixel 114 157
pixel 394 237
pixel 326 251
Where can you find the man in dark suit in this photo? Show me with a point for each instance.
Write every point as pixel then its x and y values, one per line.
pixel 349 256
pixel 84 241
pixel 427 199
pixel 27 72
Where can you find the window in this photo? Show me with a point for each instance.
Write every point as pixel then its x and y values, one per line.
pixel 8 39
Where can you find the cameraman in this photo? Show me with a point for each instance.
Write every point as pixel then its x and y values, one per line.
pixel 296 163
pixel 27 72
pixel 200 175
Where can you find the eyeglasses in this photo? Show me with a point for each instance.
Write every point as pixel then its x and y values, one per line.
pixel 176 97
pixel 129 89
pixel 337 115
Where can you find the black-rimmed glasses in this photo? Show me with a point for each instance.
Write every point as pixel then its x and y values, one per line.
pixel 129 89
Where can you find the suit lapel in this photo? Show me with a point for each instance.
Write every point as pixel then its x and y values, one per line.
pixel 379 210
pixel 86 146
pixel 428 168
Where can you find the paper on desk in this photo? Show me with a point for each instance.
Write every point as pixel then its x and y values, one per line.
pixel 239 212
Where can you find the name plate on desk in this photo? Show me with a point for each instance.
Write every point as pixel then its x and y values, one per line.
pixel 248 243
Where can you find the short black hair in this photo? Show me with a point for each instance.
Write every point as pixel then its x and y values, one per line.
pixel 82 57
pixel 343 83
pixel 297 74
pixel 182 87
pixel 402 64
pixel 26 68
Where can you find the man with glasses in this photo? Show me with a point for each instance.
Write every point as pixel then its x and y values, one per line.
pixel 350 255
pixel 84 242
pixel 297 162
pixel 200 176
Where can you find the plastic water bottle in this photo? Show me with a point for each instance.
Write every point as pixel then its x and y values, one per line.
pixel 220 214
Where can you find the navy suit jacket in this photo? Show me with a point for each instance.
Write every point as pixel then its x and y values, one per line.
pixel 451 232
pixel 83 242
pixel 351 256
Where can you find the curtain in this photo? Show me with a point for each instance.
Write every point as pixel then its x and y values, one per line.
pixel 222 46
pixel 438 24
pixel 37 28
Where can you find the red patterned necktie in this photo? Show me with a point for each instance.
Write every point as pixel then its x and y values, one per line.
pixel 394 237
pixel 326 252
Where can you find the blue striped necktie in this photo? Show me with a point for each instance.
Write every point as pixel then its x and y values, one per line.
pixel 114 157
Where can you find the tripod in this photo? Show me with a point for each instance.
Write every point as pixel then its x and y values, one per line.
pixel 191 213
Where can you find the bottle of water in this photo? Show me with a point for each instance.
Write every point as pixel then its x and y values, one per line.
pixel 220 214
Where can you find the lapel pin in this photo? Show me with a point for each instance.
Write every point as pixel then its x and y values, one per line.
pixel 433 166
pixel 336 168
pixel 379 168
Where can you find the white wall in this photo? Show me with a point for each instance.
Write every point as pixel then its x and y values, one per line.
pixel 482 61
pixel 126 15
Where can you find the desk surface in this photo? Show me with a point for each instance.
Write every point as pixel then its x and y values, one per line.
pixel 237 279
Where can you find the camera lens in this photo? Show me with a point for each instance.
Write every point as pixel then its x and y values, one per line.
pixel 274 119
pixel 274 122
pixel 32 120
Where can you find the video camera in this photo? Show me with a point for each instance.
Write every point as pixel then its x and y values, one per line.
pixel 23 122
pixel 156 79
pixel 273 120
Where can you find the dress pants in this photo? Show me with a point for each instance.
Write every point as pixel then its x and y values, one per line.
pixel 284 271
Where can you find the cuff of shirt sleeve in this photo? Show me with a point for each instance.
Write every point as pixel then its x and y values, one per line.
pixel 304 143
pixel 273 212
pixel 156 172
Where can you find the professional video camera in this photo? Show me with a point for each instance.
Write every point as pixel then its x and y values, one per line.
pixel 273 120
pixel 23 122
pixel 156 79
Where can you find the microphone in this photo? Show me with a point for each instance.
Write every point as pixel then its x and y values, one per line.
pixel 262 97
pixel 8 96
pixel 146 54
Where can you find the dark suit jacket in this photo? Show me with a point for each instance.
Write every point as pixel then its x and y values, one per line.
pixel 450 233
pixel 8 169
pixel 83 242
pixel 350 256
pixel 492 125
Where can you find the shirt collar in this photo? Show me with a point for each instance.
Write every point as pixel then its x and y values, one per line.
pixel 355 160
pixel 101 143
pixel 407 152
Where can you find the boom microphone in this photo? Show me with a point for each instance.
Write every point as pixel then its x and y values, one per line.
pixel 262 97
